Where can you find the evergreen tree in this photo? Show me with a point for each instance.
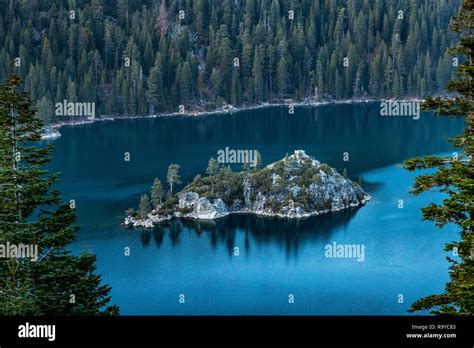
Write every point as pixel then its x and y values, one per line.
pixel 173 176
pixel 283 78
pixel 258 160
pixel 455 178
pixel 144 207
pixel 45 109
pixel 212 170
pixel 185 84
pixel 155 93
pixel 236 88
pixel 157 193
pixel 31 213
pixel 257 72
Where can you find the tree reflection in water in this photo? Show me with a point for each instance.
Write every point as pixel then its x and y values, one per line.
pixel 290 234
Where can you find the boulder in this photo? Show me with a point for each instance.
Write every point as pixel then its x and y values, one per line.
pixel 237 205
pixel 129 220
pixel 188 200
pixel 148 223
pixel 205 210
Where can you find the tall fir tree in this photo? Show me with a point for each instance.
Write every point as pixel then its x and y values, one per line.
pixel 157 193
pixel 172 177
pixel 31 213
pixel 454 176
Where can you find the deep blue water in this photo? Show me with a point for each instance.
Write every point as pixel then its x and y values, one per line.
pixel 403 255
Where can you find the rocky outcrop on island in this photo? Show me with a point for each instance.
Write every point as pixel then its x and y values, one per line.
pixel 295 187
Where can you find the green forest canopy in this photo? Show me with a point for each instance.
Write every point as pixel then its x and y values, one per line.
pixel 285 49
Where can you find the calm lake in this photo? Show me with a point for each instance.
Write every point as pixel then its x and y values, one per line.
pixel 277 257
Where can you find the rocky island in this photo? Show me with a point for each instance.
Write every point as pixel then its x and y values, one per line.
pixel 296 186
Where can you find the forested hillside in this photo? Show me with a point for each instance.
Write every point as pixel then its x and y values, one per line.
pixel 148 56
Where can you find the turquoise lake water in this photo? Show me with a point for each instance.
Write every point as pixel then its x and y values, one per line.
pixel 278 257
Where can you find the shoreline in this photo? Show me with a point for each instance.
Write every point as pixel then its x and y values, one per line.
pixel 229 110
pixel 129 221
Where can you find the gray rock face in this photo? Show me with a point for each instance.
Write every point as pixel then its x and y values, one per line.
pixel 146 223
pixel 129 221
pixel 188 200
pixel 221 207
pixel 259 203
pixel 336 191
pixel 205 210
pixel 292 212
pixel 237 205
pixel 327 190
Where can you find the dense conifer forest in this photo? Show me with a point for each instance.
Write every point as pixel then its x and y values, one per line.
pixel 149 56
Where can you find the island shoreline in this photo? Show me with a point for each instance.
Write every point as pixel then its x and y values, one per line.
pixel 249 213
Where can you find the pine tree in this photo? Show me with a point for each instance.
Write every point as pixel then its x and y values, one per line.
pixel 185 84
pixel 15 291
pixel 71 91
pixel 225 59
pixel 258 160
pixel 357 84
pixel 31 213
pixel 45 109
pixel 144 207
pixel 257 72
pixel 236 88
pixel 454 177
pixel 173 176
pixel 162 23
pixel 157 193
pixel 212 169
pixel 283 78
pixel 155 92
pixel 216 80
